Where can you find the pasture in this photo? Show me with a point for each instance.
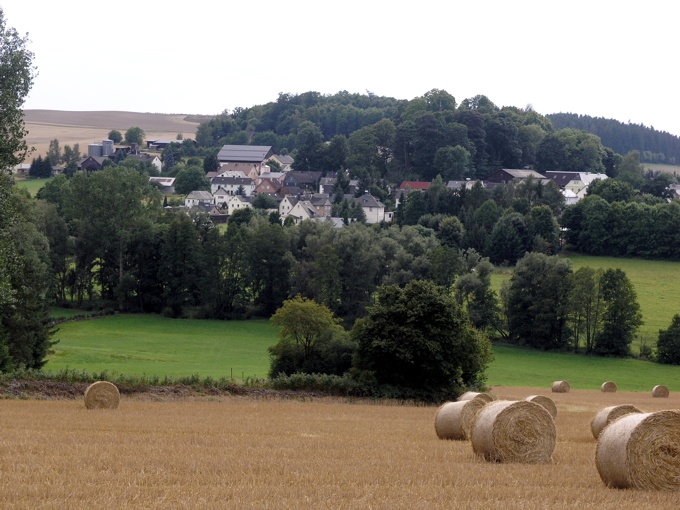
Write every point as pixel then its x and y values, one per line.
pixel 136 345
pixel 241 452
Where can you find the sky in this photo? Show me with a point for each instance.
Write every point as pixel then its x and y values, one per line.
pixel 602 58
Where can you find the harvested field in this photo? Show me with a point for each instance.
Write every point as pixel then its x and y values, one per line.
pixel 246 452
pixel 85 128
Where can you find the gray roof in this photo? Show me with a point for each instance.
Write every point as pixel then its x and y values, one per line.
pixel 200 195
pixel 523 174
pixel 244 153
pixel 285 159
pixel 234 181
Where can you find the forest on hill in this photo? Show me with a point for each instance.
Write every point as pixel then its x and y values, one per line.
pixel 654 146
pixel 382 139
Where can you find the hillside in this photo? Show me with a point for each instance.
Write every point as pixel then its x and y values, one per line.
pixel 83 128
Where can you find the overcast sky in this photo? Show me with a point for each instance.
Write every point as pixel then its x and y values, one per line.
pixel 613 59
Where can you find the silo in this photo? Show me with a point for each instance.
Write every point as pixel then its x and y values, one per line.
pixel 94 150
pixel 107 147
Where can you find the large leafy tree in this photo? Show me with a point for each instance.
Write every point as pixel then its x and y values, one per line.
pixel 622 316
pixel 16 78
pixel 419 339
pixel 538 301
pixel 306 329
pixel 135 135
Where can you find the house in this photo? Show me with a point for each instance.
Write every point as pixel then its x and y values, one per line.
pixel 22 169
pixel 161 144
pixel 165 184
pixel 237 202
pixel 152 159
pixel 227 173
pixel 92 163
pixel 269 185
pixel 304 180
pixel 247 169
pixel 467 184
pixel 323 204
pixel 575 182
pixel 253 154
pixel 232 185
pixel 302 210
pixel 506 175
pixel 374 210
pixel 221 197
pixel 198 198
pixel 415 185
pixel 286 205
pixel 285 161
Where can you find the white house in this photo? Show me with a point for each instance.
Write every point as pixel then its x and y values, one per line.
pixel 197 198
pixel 302 210
pixel 237 202
pixel 232 185
pixel 374 210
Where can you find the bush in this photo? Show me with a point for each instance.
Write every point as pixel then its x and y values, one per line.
pixel 668 344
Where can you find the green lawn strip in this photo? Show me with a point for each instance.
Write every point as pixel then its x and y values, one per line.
pixel 32 185
pixel 153 345
pixel 515 366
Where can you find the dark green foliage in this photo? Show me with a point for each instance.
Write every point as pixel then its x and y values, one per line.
pixel 40 168
pixel 538 302
pixel 191 179
pixel 135 135
pixel 668 344
pixel 115 136
pixel 418 338
pixel 264 201
pixel 622 317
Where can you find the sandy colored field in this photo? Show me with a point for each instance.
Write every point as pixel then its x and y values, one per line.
pixel 236 452
pixel 85 128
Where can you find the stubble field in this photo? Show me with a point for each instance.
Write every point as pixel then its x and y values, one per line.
pixel 238 452
pixel 84 128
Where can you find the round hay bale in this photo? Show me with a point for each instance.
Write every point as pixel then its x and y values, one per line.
pixel 453 420
pixel 514 431
pixel 102 395
pixel 608 387
pixel 469 395
pixel 660 391
pixel 607 415
pixel 546 402
pixel 641 451
pixel 560 387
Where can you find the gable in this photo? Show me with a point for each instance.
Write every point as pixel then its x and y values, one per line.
pixel 244 153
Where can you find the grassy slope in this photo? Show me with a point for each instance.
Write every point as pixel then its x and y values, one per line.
pixel 153 345
pixel 32 185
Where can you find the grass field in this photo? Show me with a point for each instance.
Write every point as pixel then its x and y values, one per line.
pixel 656 282
pixel 154 345
pixel 31 185
pixel 238 452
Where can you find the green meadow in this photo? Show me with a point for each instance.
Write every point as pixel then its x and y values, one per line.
pixel 154 345
pixel 157 346
pixel 657 283
pixel 31 185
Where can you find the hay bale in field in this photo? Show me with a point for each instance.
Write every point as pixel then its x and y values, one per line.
pixel 469 395
pixel 514 431
pixel 608 387
pixel 102 395
pixel 660 391
pixel 560 387
pixel 546 402
pixel 607 415
pixel 641 451
pixel 453 420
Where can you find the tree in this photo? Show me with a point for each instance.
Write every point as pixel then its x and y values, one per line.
pixel 622 316
pixel 538 301
pixel 191 179
pixel 168 158
pixel 418 339
pixel 115 136
pixel 211 163
pixel 264 201
pixel 135 135
pixel 54 153
pixel 668 344
pixel 71 155
pixel 304 327
pixel 17 73
pixel 586 307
